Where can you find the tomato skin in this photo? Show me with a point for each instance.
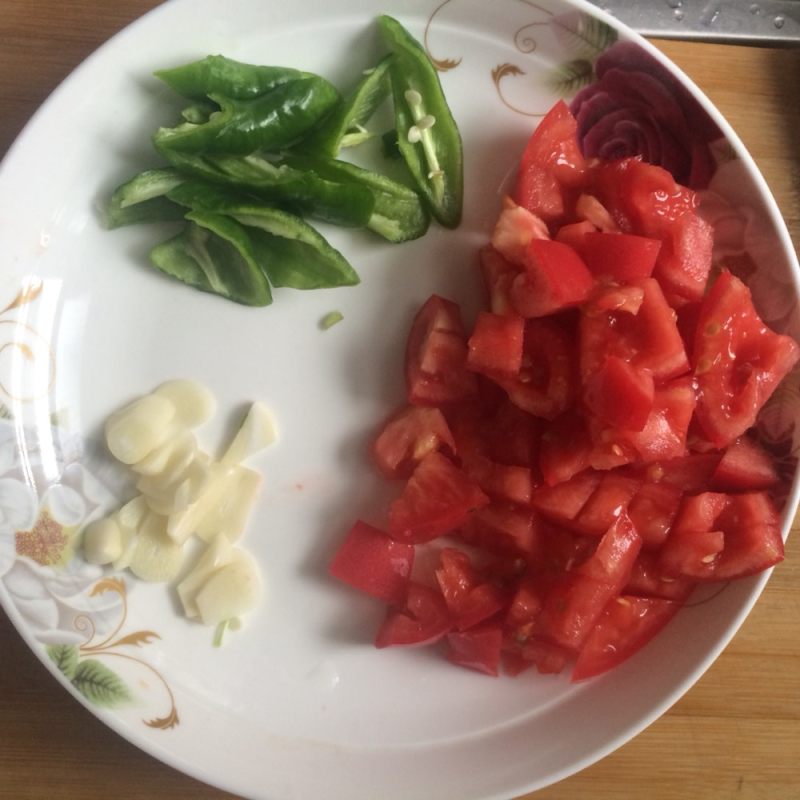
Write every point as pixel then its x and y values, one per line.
pixel 423 620
pixel 437 498
pixel 619 256
pixel 479 648
pixel 495 346
pixel 625 626
pixel 738 361
pixel 407 437
pixel 551 158
pixel 372 562
pixel 436 356
pixel 554 278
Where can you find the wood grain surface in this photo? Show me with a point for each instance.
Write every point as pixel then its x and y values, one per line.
pixel 736 734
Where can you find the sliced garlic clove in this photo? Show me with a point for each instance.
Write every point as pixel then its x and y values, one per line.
pixel 231 591
pixel 133 432
pixel 170 458
pixel 230 509
pixel 258 430
pixel 156 558
pixel 102 541
pixel 185 521
pixel 185 490
pixel 218 553
pixel 194 403
pixel 132 513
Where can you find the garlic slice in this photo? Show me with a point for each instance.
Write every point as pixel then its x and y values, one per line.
pixel 102 541
pixel 194 403
pixel 218 553
pixel 231 591
pixel 231 505
pixel 257 431
pixel 170 458
pixel 134 431
pixel 155 558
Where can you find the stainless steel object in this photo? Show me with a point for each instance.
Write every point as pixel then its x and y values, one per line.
pixel 756 22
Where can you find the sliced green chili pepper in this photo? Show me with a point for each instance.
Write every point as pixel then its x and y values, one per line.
pixel 220 75
pixel 428 136
pixel 270 121
pixel 199 113
pixel 215 254
pixel 141 199
pixel 389 146
pixel 344 126
pixel 300 192
pixel 289 250
pixel 398 215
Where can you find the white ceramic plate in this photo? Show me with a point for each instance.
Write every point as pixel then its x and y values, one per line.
pixel 300 704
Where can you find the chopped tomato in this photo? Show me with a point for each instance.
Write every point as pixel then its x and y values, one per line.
pixel 372 562
pixel 407 437
pixel 663 436
pixel 620 395
pixel 573 233
pixel 495 347
pixel 648 338
pixel 547 383
pixel 436 356
pixel 563 501
pixel 469 599
pixel 652 510
pixel 424 619
pixel 437 498
pixel 745 466
pixel 478 648
pixel 720 537
pixel 738 361
pixel 608 501
pixel 612 561
pixel 619 256
pixel 513 436
pixel 648 579
pixel 554 277
pixel 515 228
pixel 548 658
pixel 497 274
pixel 505 529
pixel 589 209
pixel 690 473
pixel 552 158
pixel 625 626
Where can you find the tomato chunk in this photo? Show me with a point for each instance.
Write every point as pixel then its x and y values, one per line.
pixel 626 625
pixel 423 620
pixel 547 383
pixel 620 256
pixel 745 466
pixel 648 338
pixel 436 356
pixel 554 277
pixel 610 499
pixel 437 498
pixel 504 529
pixel 478 648
pixel 619 394
pixel 495 347
pixel 552 158
pixel 738 361
pixel 407 437
pixel 515 228
pixel 652 510
pixel 469 599
pixel 372 562
pixel 721 537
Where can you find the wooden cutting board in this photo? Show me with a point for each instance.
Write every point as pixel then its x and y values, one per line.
pixel 736 734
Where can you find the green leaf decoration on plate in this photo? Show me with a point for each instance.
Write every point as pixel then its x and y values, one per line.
pixel 100 685
pixel 5 412
pixel 569 78
pixel 65 657
pixel 584 35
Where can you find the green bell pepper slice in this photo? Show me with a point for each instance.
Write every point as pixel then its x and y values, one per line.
pixel 214 254
pixel 288 249
pixel 428 136
pixel 271 121
pixel 220 75
pixel 142 199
